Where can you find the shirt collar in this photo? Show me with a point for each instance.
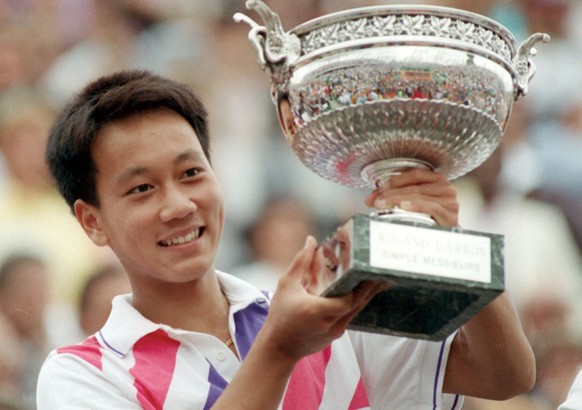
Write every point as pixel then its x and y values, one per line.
pixel 125 325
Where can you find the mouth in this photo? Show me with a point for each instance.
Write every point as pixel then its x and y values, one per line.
pixel 180 240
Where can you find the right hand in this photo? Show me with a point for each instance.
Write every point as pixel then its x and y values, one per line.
pixel 301 322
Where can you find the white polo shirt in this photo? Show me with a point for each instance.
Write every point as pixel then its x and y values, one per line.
pixel 133 363
pixel 574 400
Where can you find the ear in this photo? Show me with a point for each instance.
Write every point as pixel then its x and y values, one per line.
pixel 89 218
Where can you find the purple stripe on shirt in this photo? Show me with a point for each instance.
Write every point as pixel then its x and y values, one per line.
pixel 436 379
pixel 455 402
pixel 248 322
pixel 108 345
pixel 217 386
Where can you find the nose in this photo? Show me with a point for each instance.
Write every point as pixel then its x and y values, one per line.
pixel 176 204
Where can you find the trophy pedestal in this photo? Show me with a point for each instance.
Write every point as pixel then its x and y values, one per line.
pixel 440 277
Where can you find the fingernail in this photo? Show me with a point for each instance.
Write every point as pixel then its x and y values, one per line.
pixel 385 182
pixel 380 203
pixel 406 205
pixel 310 241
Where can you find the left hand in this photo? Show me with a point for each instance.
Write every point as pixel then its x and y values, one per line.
pixel 419 190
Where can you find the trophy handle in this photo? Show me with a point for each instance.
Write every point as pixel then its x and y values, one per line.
pixel 524 64
pixel 276 48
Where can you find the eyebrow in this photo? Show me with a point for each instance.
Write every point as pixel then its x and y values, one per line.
pixel 138 171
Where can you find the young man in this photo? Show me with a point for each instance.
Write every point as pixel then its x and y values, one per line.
pixel 131 157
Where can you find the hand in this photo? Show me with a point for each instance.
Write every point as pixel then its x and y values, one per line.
pixel 419 190
pixel 301 322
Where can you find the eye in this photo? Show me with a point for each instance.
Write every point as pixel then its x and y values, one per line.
pixel 140 188
pixel 192 172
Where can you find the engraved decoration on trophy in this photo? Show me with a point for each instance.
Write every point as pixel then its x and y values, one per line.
pixel 365 93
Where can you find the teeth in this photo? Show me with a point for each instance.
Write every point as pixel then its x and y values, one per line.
pixel 182 239
pixel 329 264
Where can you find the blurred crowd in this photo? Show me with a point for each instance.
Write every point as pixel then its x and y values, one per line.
pixel 56 286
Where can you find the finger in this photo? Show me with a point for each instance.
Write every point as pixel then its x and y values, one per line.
pixel 442 192
pixel 370 199
pixel 415 182
pixel 444 212
pixel 415 176
pixel 302 261
pixel 366 291
pixel 315 280
pixel 438 189
pixel 342 322
pixel 360 297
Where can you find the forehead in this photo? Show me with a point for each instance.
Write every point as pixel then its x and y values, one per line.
pixel 144 139
pixel 161 126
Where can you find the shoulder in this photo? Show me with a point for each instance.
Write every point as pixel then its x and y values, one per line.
pixel 72 362
pixel 67 369
pixel 88 351
pixel 75 377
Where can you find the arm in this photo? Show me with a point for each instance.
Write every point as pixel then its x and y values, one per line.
pixel 299 323
pixel 490 356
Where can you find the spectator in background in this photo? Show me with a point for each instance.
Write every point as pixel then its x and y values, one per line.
pixel 32 214
pixel 557 364
pixel 96 296
pixel 274 240
pixel 12 358
pixel 125 34
pixel 558 75
pixel 24 283
pixel 107 46
pixel 557 147
pixel 554 107
pixel 543 265
pixel 543 270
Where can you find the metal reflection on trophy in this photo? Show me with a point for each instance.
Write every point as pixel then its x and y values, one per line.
pixel 366 93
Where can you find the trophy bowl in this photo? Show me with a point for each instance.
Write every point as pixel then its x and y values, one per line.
pixel 369 92
pixel 374 90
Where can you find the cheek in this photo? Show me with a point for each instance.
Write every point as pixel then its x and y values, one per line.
pixel 215 200
pixel 220 207
pixel 126 227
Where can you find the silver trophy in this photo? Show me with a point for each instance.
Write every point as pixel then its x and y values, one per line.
pixel 366 93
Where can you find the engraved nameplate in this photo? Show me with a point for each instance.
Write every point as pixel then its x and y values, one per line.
pixel 430 252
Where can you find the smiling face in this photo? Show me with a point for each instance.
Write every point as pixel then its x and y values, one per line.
pixel 160 207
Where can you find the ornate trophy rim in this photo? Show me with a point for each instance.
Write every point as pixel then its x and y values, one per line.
pixel 407 9
pixel 492 46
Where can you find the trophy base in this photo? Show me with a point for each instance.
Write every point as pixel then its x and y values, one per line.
pixel 439 277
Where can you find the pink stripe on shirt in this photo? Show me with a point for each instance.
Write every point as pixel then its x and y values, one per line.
pixel 155 360
pixel 360 399
pixel 305 388
pixel 89 350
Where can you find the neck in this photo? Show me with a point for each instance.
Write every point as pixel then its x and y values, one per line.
pixel 198 306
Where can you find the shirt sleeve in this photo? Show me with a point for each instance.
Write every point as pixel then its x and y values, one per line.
pixel 67 382
pixel 404 373
pixel 574 400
